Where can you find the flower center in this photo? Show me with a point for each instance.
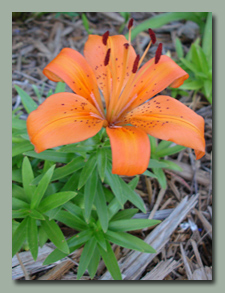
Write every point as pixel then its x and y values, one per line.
pixel 120 93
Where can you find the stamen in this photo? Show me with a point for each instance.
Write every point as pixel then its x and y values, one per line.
pixel 126 45
pixel 105 38
pixel 106 61
pixel 130 23
pixel 158 53
pixel 136 62
pixel 152 36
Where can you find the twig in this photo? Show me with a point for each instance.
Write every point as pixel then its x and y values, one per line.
pixel 26 275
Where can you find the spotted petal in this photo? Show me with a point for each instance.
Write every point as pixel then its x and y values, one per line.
pixel 71 67
pixel 130 150
pixel 61 119
pixel 168 119
pixel 153 78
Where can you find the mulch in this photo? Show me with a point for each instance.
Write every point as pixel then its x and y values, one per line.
pixel 187 255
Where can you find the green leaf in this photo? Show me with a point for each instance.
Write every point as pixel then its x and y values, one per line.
pixel 131 224
pixel 60 87
pixel 192 85
pixel 124 215
pixel 41 188
pixel 36 215
pixel 101 207
pixel 179 48
pixel 129 241
pixel 156 164
pixel 207 37
pixel 172 166
pixel 80 238
pixel 99 235
pixel 169 151
pixel 27 101
pixel 85 23
pixel 18 123
pixel 64 171
pixel 21 213
pixel 89 194
pixel 110 261
pixel 114 183
pixel 54 256
pixel 55 235
pixel 71 221
pixel 20 148
pixel 162 19
pixel 132 196
pixel 17 176
pixel 86 256
pixel 153 143
pixel 150 174
pixel 161 177
pixel 93 265
pixel 27 177
pixel 32 237
pixel 19 204
pixel 18 192
pixel 42 236
pixel 164 144
pixel 71 183
pixel 134 182
pixel 52 156
pixel 73 209
pixel 87 171
pixel 55 200
pixel 19 236
pixel 102 162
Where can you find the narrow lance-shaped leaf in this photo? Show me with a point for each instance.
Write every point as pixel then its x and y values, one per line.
pixel 101 207
pixel 70 220
pixel 55 235
pixel 87 171
pixel 129 241
pixel 110 261
pixel 27 101
pixel 102 162
pixel 55 200
pixel 19 236
pixel 32 237
pixel 131 224
pixel 64 171
pixel 89 194
pixel 86 256
pixel 93 265
pixel 27 177
pixel 41 188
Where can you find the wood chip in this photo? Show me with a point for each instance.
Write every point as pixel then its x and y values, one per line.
pixel 133 266
pixel 162 269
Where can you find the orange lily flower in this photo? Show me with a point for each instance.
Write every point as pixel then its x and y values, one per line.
pixel 132 109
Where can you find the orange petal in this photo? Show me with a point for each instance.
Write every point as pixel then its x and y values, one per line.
pixel 153 78
pixel 95 52
pixel 130 150
pixel 61 119
pixel 71 67
pixel 169 119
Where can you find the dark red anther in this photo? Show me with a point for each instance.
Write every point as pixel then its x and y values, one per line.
pixel 130 23
pixel 152 36
pixel 158 53
pixel 135 66
pixel 105 37
pixel 106 61
pixel 126 45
